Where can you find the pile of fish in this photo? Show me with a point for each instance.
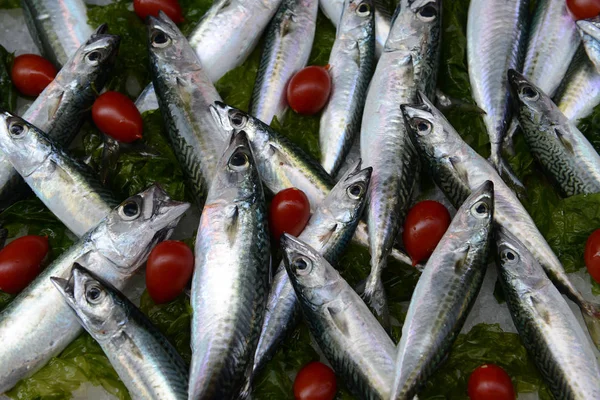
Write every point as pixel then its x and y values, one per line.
pixel 532 76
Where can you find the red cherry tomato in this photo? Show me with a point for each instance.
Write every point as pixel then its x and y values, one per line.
pixel 592 255
pixel 289 212
pixel 32 73
pixel 117 116
pixel 584 9
pixel 315 381
pixel 143 8
pixel 168 270
pixel 20 262
pixel 424 226
pixel 308 90
pixel 490 382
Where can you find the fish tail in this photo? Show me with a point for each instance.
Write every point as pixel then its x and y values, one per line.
pixel 508 144
pixel 246 391
pixel 591 316
pixel 375 298
pixel 507 174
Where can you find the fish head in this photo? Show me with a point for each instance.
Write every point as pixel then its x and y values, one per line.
pixel 236 179
pixel 132 229
pixel 170 52
pixel 95 302
pixel 531 102
pixel 26 146
pixel 413 25
pixel 513 257
pixel 231 120
pixel 357 16
pixel 346 200
pixel 92 62
pixel 477 211
pixel 589 29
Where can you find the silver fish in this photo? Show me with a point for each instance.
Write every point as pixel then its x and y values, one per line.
pixel 38 324
pixel 355 344
pixel 579 92
pixel 552 43
pixel 562 150
pixel 351 65
pixel 445 293
pixel 409 63
pixel 328 231
pixel 231 276
pixel 146 362
pixel 547 327
pixel 60 109
pixel 68 188
pixel 59 27
pixel 333 10
pixel 283 165
pixel 185 93
pixel 458 169
pixel 496 39
pixel 288 42
pixel 223 39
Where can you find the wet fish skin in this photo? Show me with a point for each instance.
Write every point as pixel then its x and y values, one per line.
pixel 547 327
pixel 341 322
pixel 408 63
pixel 60 109
pixel 231 276
pixel 562 150
pixel 457 169
pixel 288 43
pixel 445 293
pixel 38 324
pixel 185 93
pixel 59 27
pixel 351 65
pixel 496 40
pixel 146 362
pixel 68 188
pixel 328 231
pixel 579 92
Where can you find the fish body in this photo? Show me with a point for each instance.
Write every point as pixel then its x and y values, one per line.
pixel 458 169
pixel 328 231
pixel 351 65
pixel 282 164
pixel 231 276
pixel 68 188
pixel 59 27
pixel 38 324
pixel 496 40
pixel 445 293
pixel 562 150
pixel 408 64
pixel 288 42
pixel 548 329
pixel 146 362
pixel 353 341
pixel 579 92
pixel 60 109
pixel 185 93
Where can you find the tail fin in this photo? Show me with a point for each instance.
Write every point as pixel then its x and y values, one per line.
pixel 591 316
pixel 508 144
pixel 374 296
pixel 246 391
pixel 508 176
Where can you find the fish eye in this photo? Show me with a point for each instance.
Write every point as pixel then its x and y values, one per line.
pixel 302 265
pixel 509 257
pixel 355 191
pixel 129 210
pixel 529 93
pixel 94 294
pixel 160 39
pixel 363 10
pixel 423 127
pixel 480 209
pixel 239 160
pixel 17 128
pixel 94 56
pixel 427 13
pixel 238 120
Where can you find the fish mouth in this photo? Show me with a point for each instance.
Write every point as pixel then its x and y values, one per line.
pixel 218 110
pixel 66 287
pixel 588 28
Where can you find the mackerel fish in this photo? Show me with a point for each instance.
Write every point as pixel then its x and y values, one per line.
pixel 231 276
pixel 146 362
pixel 458 169
pixel 353 341
pixel 37 325
pixel 409 63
